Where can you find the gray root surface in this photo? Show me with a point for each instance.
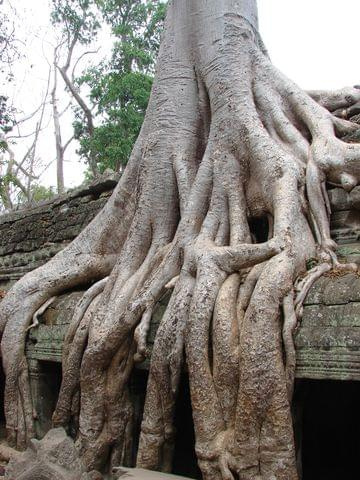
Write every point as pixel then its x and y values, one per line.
pixel 226 138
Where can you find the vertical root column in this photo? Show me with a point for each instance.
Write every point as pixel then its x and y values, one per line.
pixel 225 341
pixel 157 431
pixel 73 349
pixel 105 416
pixel 290 323
pixel 263 429
pixel 207 412
pixel 120 422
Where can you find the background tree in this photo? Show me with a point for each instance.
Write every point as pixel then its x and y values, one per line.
pixel 9 44
pixel 78 23
pixel 18 180
pixel 109 98
pixel 16 174
pixel 107 124
pixel 226 138
pixel 120 87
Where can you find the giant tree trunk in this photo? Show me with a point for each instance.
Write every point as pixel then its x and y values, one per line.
pixel 226 138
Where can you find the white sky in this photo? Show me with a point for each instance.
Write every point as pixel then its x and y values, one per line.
pixel 314 42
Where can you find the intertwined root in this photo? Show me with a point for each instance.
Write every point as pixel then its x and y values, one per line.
pixel 243 142
pixel 293 150
pixel 308 131
pixel 19 312
pixel 344 103
pixel 73 349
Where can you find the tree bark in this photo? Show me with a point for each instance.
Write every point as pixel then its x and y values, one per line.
pixel 57 130
pixel 226 137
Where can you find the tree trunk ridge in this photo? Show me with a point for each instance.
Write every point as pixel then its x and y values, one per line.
pixel 226 137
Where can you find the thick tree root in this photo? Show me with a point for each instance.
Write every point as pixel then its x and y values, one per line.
pixel 226 138
pixel 290 324
pixel 74 346
pixel 306 283
pixel 40 312
pixel 140 334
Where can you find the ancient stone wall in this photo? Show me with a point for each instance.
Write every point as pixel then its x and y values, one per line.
pixel 30 236
pixel 327 342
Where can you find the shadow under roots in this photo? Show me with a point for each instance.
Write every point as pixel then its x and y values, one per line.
pixel 259 228
pixel 184 461
pixel 330 430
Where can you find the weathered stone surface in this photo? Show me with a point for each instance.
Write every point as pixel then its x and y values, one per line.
pixel 329 290
pixel 341 200
pixel 31 236
pixel 52 458
pixel 350 252
pixel 345 219
pixel 328 340
pixel 45 341
pixel 55 457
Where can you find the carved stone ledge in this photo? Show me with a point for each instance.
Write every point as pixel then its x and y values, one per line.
pixel 327 341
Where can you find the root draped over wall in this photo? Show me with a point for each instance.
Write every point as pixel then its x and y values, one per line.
pixel 226 138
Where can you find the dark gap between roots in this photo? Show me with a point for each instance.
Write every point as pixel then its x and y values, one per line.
pixel 329 429
pixel 137 387
pixel 259 228
pixel 45 380
pixel 184 461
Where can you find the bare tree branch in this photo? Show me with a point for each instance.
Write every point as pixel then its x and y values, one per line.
pixel 70 84
pixel 68 143
pixel 89 52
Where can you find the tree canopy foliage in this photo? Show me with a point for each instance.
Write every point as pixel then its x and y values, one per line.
pixel 108 94
pixel 118 87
